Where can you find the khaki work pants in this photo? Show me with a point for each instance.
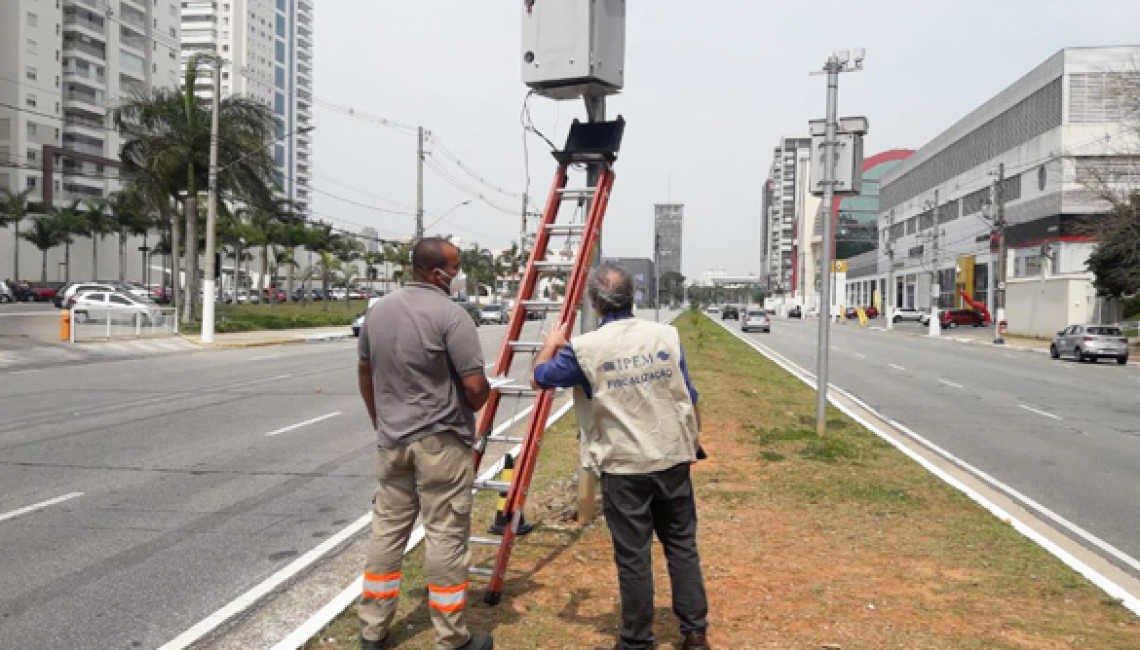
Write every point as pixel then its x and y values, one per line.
pixel 432 478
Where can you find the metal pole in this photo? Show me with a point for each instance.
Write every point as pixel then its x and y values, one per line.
pixel 999 195
pixel 890 310
pixel 420 186
pixel 935 328
pixel 208 290
pixel 587 482
pixel 829 162
pixel 656 275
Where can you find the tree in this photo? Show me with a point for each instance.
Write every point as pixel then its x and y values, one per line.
pixel 13 210
pixel 166 134
pixel 1116 261
pixel 267 222
pixel 68 222
pixel 44 235
pixel 672 286
pixel 327 266
pixel 293 236
pixel 128 217
pixel 97 224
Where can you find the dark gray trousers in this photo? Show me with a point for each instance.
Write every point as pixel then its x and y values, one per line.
pixel 636 506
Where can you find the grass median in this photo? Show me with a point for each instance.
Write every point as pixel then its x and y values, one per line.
pixel 283 316
pixel 805 542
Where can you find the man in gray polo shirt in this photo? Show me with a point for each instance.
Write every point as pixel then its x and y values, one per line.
pixel 421 377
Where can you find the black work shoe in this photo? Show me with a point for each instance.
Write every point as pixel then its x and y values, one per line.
pixel 695 641
pixel 478 642
pixel 365 644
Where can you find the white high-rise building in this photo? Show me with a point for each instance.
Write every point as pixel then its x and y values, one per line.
pixel 63 65
pixel 268 45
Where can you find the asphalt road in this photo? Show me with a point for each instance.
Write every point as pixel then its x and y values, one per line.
pixel 137 497
pixel 1065 434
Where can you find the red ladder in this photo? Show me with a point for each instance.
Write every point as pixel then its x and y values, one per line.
pixel 591 143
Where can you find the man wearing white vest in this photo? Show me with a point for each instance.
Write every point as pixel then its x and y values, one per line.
pixel 638 412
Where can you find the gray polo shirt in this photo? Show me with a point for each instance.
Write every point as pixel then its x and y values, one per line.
pixel 420 343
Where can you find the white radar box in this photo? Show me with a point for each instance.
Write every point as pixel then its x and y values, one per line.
pixel 573 48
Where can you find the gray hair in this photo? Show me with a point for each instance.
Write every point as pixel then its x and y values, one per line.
pixel 610 288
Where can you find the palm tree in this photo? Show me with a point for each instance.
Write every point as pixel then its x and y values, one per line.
pixel 97 224
pixel 68 222
pixel 129 217
pixel 370 261
pixel 327 266
pixel 293 236
pixel 167 137
pixel 268 221
pixel 44 235
pixel 13 210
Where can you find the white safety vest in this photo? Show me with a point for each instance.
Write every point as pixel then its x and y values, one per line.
pixel 641 418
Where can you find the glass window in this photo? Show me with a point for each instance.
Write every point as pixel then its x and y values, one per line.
pixel 33 20
pixel 280 77
pixel 281 5
pixel 32 128
pixel 31 181
pixel 31 73
pixel 95 297
pixel 280 52
pixel 279 155
pixel 119 300
pixel 281 26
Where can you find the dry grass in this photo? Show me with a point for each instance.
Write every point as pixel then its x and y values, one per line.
pixel 805 542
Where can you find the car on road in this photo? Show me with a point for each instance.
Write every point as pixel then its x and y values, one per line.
pixel 756 319
pixel 952 318
pixel 906 314
pixel 6 293
pixel 713 311
pixel 795 312
pixel 63 298
pixel 730 311
pixel 116 306
pixel 1090 343
pixel 472 310
pixel 493 314
pixel 358 322
pixel 871 312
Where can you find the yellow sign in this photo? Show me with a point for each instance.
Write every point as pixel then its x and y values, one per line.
pixel 862 316
pixel 840 266
pixel 964 279
pixel 876 300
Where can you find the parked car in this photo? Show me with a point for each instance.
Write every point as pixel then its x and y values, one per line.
pixel 493 314
pixel 795 312
pixel 115 306
pixel 756 319
pixel 6 293
pixel 906 314
pixel 871 312
pixel 713 310
pixel 472 310
pixel 1090 343
pixel 951 318
pixel 730 311
pixel 63 299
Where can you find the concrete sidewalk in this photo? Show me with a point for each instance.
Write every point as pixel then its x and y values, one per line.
pixel 260 338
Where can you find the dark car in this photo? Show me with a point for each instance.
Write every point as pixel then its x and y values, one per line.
pixel 730 311
pixel 472 310
pixel 795 312
pixel 871 312
pixel 952 318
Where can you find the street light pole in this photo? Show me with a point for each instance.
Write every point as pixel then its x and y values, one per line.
pixel 208 290
pixel 832 68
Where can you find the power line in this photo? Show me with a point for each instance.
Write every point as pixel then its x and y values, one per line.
pixel 455 159
pixel 457 184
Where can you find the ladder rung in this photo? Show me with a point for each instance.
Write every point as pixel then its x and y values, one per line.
pixel 576 192
pixel 480 571
pixel 565 228
pixel 541 305
pixel 517 390
pixel 488 541
pixel 526 346
pixel 497 486
pixel 554 266
pixel 514 439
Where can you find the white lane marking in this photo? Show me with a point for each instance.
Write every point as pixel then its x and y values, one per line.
pixel 1129 601
pixel 896 367
pixel 39 506
pixel 949 383
pixel 1039 412
pixel 25 372
pixel 303 424
pixel 264 357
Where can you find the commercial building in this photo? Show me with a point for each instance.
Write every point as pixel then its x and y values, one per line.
pixel 269 49
pixel 642 271
pixel 63 66
pixel 668 228
pixel 1027 151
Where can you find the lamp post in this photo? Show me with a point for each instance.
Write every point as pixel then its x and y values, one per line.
pixel 441 217
pixel 208 289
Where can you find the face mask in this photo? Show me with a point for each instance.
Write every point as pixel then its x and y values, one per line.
pixel 450 279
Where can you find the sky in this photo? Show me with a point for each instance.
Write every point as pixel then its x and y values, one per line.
pixel 710 88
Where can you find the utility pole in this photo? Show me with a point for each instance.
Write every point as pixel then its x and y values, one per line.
pixel 208 289
pixel 420 186
pixel 656 274
pixel 935 289
pixel 890 243
pixel 999 224
pixel 833 67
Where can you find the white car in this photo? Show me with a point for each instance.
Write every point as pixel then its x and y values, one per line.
pixel 493 314
pixel 358 322
pixel 757 319
pixel 713 311
pixel 115 306
pixel 908 314
pixel 6 294
pixel 64 300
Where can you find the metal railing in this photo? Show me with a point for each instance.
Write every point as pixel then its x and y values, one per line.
pixel 95 324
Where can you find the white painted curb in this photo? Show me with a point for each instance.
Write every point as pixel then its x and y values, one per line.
pixel 1114 590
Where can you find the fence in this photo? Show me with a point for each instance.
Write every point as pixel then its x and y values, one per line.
pixel 89 324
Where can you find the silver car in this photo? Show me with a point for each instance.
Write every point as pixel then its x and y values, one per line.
pixel 756 319
pixel 1090 343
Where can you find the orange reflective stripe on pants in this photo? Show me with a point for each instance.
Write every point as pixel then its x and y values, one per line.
pixel 447 599
pixel 378 585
